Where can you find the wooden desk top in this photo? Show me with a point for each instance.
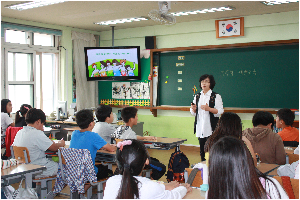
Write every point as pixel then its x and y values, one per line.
pixel 289 149
pixel 106 152
pixel 60 122
pixel 72 128
pixel 20 169
pixel 164 140
pixel 196 193
pixel 265 167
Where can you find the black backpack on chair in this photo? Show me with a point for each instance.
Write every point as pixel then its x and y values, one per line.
pixel 177 164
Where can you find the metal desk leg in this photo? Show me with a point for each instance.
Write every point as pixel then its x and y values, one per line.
pixel 28 180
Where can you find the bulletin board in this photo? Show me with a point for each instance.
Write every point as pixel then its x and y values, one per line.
pixel 246 77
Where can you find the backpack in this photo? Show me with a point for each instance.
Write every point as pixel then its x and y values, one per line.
pixel 177 164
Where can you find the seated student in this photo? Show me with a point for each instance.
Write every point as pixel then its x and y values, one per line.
pixel 284 119
pixel 129 116
pixel 105 118
pixel 6 121
pixel 85 139
pixel 232 174
pixel 20 121
pixel 264 141
pixel 229 124
pixel 132 156
pixel 33 137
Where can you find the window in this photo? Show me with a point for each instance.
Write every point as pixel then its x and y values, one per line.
pixel 20 78
pixel 19 37
pixel 43 39
pixel 30 71
pixel 47 81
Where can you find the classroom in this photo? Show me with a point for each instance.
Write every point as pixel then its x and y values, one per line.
pixel 61 76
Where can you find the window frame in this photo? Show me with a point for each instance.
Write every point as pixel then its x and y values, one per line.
pixel 34 50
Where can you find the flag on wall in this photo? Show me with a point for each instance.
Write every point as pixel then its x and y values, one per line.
pixel 229 28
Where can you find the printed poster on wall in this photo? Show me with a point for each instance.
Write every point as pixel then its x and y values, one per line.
pixel 130 90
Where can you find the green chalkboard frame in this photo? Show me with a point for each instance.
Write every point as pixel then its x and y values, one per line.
pixel 216 47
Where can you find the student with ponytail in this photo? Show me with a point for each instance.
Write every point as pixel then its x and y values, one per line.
pixel 20 121
pixel 132 156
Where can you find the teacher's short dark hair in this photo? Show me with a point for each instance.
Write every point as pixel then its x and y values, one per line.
pixel 263 118
pixel 211 80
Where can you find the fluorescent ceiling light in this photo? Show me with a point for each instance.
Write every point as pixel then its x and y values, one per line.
pixel 206 10
pixel 136 19
pixel 32 4
pixel 271 3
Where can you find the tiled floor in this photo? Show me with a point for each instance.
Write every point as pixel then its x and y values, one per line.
pixel 163 155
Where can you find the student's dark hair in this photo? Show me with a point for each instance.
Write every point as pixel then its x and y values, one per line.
pixel 286 115
pixel 232 174
pixel 229 124
pixel 263 118
pixel 211 80
pixel 84 118
pixel 103 112
pixel 4 103
pixel 34 115
pixel 130 161
pixel 23 110
pixel 127 113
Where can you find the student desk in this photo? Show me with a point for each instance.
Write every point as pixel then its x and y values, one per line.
pixel 60 132
pixel 16 173
pixel 268 169
pixel 70 131
pixel 196 193
pixel 289 149
pixel 51 131
pixel 164 143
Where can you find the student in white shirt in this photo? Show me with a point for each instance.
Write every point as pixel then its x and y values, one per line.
pixel 132 156
pixel 33 137
pixel 103 126
pixel 6 121
pixel 207 107
pixel 232 174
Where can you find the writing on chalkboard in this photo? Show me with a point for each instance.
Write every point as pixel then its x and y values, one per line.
pixel 179 64
pixel 247 72
pixel 241 72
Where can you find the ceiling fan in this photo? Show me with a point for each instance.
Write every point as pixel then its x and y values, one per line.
pixel 162 14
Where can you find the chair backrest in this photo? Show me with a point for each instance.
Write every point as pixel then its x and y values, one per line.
pixel 118 140
pixel 294 185
pixel 197 180
pixel 11 133
pixel 292 157
pixel 21 154
pixel 61 161
pixel 290 143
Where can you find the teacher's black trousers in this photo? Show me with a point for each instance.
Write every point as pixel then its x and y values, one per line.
pixel 202 143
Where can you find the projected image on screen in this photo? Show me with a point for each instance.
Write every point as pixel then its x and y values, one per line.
pixel 112 62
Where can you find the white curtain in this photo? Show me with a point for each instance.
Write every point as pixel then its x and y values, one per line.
pixel 86 94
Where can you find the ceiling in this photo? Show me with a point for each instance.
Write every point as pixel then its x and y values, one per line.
pixel 82 14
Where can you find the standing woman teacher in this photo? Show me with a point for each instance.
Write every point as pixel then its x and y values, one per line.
pixel 207 107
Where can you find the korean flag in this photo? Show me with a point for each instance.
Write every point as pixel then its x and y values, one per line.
pixel 229 28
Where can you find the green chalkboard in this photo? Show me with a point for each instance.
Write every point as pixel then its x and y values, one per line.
pixel 105 87
pixel 253 77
